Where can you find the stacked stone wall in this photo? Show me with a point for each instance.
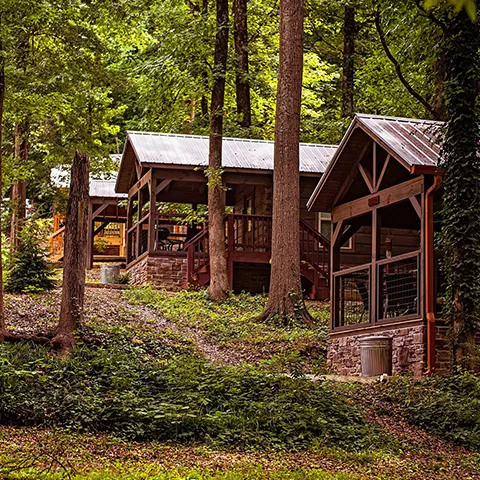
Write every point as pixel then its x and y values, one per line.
pixel 166 271
pixel 408 350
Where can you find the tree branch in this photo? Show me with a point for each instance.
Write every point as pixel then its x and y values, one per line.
pixel 398 68
pixel 430 16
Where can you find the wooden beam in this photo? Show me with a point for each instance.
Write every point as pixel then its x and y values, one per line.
pixel 337 233
pixel 162 185
pixel 367 177
pixel 247 178
pixel 352 229
pixel 353 173
pixel 374 163
pixel 152 215
pixel 100 228
pixel 382 173
pixel 416 205
pixel 389 196
pixel 140 184
pixel 180 175
pixel 98 211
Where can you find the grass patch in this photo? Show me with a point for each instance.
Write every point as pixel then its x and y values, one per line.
pixel 233 324
pixel 120 388
pixel 445 406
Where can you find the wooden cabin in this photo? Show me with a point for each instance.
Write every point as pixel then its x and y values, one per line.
pixel 382 189
pixel 107 219
pixel 161 249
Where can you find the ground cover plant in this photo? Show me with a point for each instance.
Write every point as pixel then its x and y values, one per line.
pixel 445 406
pixel 121 388
pixel 235 324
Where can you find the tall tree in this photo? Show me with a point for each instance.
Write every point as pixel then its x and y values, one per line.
pixel 461 183
pixel 242 83
pixel 2 102
pixel 19 188
pixel 75 256
pixel 285 301
pixel 216 190
pixel 348 68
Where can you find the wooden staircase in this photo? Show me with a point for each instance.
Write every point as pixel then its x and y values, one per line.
pixel 249 240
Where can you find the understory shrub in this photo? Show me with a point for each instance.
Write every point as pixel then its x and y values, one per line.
pixel 30 271
pixel 117 388
pixel 445 406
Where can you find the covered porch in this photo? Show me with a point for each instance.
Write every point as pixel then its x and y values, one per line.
pixel 171 249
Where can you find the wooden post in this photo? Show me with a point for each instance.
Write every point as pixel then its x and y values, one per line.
pixel 138 231
pixel 230 248
pixel 376 241
pixel 90 236
pixel 334 266
pixel 152 185
pixel 190 262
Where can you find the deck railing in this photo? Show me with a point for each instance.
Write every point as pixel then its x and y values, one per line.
pixel 397 291
pixel 253 234
pixel 398 286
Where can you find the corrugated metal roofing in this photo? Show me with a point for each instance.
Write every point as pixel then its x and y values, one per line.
pixel 410 141
pixel 60 178
pixel 192 150
pixel 105 188
pixel 416 142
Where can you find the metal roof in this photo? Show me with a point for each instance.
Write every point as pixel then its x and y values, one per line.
pixel 410 141
pixel 416 142
pixel 192 150
pixel 105 188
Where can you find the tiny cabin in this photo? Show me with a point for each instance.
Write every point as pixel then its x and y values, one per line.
pixel 106 222
pixel 166 250
pixel 382 189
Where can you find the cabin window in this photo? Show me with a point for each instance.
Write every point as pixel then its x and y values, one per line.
pixel 325 228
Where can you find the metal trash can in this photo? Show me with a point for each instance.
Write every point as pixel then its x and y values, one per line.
pixel 109 273
pixel 376 355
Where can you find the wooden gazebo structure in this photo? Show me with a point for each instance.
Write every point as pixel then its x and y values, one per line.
pixel 383 187
pixel 107 219
pixel 164 250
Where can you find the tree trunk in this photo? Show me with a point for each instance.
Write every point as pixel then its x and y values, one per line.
pixel 19 189
pixel 75 257
pixel 242 84
pixel 461 183
pixel 3 329
pixel 440 109
pixel 285 301
pixel 216 190
pixel 348 70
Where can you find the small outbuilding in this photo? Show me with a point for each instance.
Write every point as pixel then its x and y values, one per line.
pixel 383 190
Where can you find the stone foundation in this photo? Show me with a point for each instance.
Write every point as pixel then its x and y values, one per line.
pixel 408 350
pixel 162 271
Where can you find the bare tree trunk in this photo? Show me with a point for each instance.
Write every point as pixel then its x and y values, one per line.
pixel 242 84
pixel 75 256
pixel 439 105
pixel 285 301
pixel 348 70
pixel 216 190
pixel 3 329
pixel 19 189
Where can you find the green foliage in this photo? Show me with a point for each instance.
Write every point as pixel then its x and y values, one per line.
pixel 30 271
pixel 117 388
pixel 123 279
pixel 233 324
pixel 461 179
pixel 446 406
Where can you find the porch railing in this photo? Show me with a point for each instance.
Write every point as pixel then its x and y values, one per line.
pixel 398 286
pixel 397 291
pixel 253 233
